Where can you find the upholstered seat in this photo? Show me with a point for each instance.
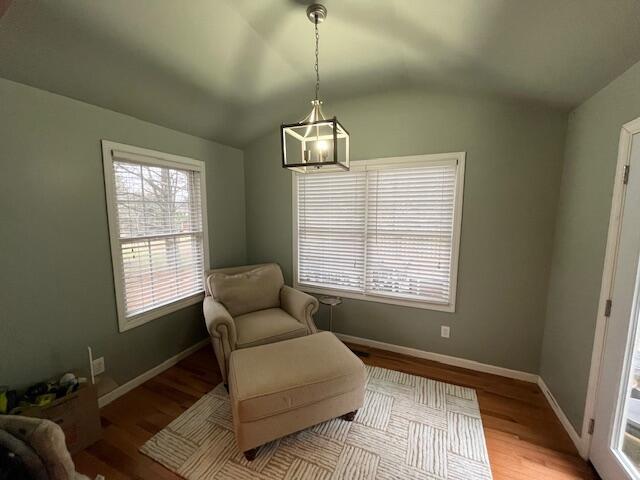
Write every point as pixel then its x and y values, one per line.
pixel 37 445
pixel 284 387
pixel 267 326
pixel 249 306
pixel 292 374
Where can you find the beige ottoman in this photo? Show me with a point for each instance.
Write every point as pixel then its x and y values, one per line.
pixel 284 387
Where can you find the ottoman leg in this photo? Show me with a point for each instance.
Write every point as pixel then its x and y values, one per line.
pixel 349 416
pixel 250 455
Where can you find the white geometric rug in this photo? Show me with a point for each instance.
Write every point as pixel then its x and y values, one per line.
pixel 410 427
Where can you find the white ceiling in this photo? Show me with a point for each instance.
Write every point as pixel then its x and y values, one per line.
pixel 231 69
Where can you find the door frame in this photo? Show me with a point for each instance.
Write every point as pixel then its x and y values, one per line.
pixel 611 255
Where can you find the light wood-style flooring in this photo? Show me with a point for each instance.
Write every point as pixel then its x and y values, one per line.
pixel 524 438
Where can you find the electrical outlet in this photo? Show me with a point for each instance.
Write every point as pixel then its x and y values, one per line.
pixel 98 366
pixel 445 331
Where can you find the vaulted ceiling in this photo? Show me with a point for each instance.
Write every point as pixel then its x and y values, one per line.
pixel 229 70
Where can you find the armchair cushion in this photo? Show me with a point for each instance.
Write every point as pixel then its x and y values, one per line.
pixel 267 326
pixel 248 291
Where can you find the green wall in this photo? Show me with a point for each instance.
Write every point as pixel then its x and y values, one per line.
pixel 513 168
pixel 56 294
pixel 580 240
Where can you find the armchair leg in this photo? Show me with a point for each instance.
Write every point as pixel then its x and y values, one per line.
pixel 250 455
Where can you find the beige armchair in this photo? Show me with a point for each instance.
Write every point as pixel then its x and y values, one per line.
pixel 38 447
pixel 249 306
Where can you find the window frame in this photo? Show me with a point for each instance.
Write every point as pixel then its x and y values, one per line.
pixel 388 163
pixel 159 159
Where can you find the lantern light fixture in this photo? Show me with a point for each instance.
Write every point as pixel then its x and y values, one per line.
pixel 316 141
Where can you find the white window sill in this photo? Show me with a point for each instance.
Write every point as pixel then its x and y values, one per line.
pixel 439 307
pixel 141 318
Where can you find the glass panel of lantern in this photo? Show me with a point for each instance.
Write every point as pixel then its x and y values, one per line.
pixel 308 146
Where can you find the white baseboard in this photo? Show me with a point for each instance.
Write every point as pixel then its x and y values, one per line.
pixel 438 357
pixel 149 374
pixel 578 440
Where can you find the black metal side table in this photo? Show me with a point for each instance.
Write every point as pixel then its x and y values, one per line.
pixel 330 302
pixel 334 302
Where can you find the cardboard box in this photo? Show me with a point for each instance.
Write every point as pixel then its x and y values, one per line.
pixel 77 414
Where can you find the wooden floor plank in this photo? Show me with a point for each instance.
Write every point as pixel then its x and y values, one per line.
pixel 525 440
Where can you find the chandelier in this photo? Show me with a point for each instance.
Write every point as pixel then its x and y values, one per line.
pixel 316 141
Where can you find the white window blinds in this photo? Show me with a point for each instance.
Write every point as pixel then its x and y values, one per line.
pixel 158 243
pixel 410 232
pixel 331 230
pixel 383 230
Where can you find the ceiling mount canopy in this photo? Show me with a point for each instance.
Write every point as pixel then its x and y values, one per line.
pixel 315 141
pixel 316 13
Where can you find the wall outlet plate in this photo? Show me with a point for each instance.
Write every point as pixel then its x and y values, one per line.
pixel 98 366
pixel 445 331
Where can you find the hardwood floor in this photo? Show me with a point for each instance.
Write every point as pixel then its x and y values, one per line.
pixel 524 438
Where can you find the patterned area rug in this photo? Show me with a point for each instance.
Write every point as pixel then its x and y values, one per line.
pixel 409 428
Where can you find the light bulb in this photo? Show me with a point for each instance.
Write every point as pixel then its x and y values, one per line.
pixel 323 150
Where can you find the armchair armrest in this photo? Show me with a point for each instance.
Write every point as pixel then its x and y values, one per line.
pixel 222 330
pixel 219 321
pixel 300 306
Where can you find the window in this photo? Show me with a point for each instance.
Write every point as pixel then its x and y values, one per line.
pixel 158 228
pixel 388 230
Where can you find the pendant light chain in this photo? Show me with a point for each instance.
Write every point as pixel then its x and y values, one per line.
pixel 317 54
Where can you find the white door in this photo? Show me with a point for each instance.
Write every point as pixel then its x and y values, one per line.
pixel 615 447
